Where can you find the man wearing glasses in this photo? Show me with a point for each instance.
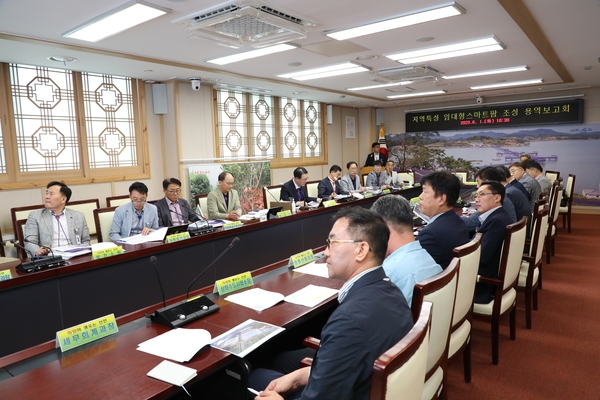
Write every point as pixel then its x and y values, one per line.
pixel 296 188
pixel 494 219
pixel 137 217
pixel 533 187
pixel 353 337
pixel 172 210
pixel 224 201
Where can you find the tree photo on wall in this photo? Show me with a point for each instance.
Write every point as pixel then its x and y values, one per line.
pixel 249 179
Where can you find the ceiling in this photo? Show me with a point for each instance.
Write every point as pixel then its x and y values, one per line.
pixel 558 40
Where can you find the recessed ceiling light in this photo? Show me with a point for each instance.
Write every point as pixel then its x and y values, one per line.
pixel 487 72
pixel 148 70
pixel 62 59
pixel 324 72
pixel 416 94
pixel 366 57
pixel 505 84
pixel 412 18
pixel 251 54
pixel 425 39
pixel 295 64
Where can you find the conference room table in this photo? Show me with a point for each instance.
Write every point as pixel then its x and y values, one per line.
pixel 39 304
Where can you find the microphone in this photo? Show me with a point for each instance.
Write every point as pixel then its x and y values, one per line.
pixel 38 263
pixel 16 243
pixel 199 230
pixel 271 194
pixel 154 262
pixel 189 310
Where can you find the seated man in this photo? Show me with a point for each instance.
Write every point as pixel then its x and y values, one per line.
pixel 445 230
pixel 296 188
pixel 535 170
pixel 224 201
pixel 516 197
pixel 351 181
pixel 55 225
pixel 329 187
pixel 393 179
pixel 137 217
pixel 376 155
pixel 377 178
pixel 353 337
pixel 494 220
pixel 533 187
pixel 406 262
pixel 171 209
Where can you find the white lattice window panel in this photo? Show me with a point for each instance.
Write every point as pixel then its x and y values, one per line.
pixel 290 130
pixel 232 124
pixel 312 129
pixel 262 126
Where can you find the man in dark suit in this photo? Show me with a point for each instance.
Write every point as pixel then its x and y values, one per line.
pixel 445 230
pixel 353 337
pixel 296 188
pixel 494 220
pixel 171 209
pixel 376 155
pixel 330 185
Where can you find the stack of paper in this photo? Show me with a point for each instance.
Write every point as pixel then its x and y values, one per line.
pixel 172 373
pixel 178 344
pixel 71 251
pixel 154 236
pixel 311 295
pixel 313 268
pixel 256 299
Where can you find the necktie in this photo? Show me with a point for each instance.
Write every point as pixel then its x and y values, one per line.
pixel 59 227
pixel 177 216
pixel 378 180
pixel 226 197
pixel 299 194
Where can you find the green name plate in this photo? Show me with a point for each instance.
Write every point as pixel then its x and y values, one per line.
pixel 233 283
pixel 87 332
pixel 368 194
pixel 232 225
pixel 176 237
pixel 329 203
pixel 386 191
pixel 285 213
pixel 5 275
pixel 104 253
pixel 303 258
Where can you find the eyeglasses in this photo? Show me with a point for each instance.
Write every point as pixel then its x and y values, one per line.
pixel 228 183
pixel 513 170
pixel 174 191
pixel 481 194
pixel 329 241
pixel 134 200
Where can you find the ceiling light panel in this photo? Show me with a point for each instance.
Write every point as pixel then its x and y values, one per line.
pixel 416 94
pixel 487 72
pixel 475 46
pixel 416 17
pixel 507 84
pixel 380 86
pixel 251 54
pixel 116 21
pixel 324 72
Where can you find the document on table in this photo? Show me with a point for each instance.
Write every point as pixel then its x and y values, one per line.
pixel 178 344
pixel 245 337
pixel 313 268
pixel 72 251
pixel 257 299
pixel 172 373
pixel 154 236
pixel 311 295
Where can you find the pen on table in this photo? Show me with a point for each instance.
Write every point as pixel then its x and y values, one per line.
pixel 253 391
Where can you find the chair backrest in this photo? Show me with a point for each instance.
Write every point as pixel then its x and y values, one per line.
pixel 441 291
pixel 512 253
pixel 555 210
pixel 115 201
pixel 364 179
pixel 539 231
pixel 103 220
pixel 86 207
pixel 271 193
pixel 407 176
pixel 18 213
pixel 569 188
pixel 552 175
pixel 463 175
pixel 20 235
pixel 2 253
pixel 312 187
pixel 399 373
pixel 469 255
pixel 202 201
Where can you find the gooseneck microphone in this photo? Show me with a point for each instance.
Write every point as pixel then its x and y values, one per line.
pixel 17 244
pixel 271 194
pixel 38 263
pixel 154 262
pixel 233 242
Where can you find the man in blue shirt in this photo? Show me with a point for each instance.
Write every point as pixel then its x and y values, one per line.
pixel 406 262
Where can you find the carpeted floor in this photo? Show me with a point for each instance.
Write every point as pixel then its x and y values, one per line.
pixel 559 358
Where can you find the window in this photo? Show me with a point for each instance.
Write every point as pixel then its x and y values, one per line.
pixel 69 125
pixel 284 130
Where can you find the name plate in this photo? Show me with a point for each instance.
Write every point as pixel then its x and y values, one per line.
pixel 368 194
pixel 329 203
pixel 5 275
pixel 87 332
pixel 104 253
pixel 303 258
pixel 233 283
pixel 176 237
pixel 232 225
pixel 285 213
pixel 386 191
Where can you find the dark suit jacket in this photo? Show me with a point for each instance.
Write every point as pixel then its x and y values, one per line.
pixel 288 190
pixel 325 188
pixel 493 229
pixel 164 212
pixel 441 237
pixel 352 338
pixel 371 159
pixel 519 185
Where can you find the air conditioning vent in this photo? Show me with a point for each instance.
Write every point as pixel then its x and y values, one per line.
pixel 408 73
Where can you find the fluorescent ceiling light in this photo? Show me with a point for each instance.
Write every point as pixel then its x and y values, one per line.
pixel 487 72
pixel 251 54
pixel 504 84
pixel 416 94
pixel 324 72
pixel 381 86
pixel 475 46
pixel 413 18
pixel 116 20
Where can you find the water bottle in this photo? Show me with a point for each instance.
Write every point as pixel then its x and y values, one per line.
pixel 293 204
